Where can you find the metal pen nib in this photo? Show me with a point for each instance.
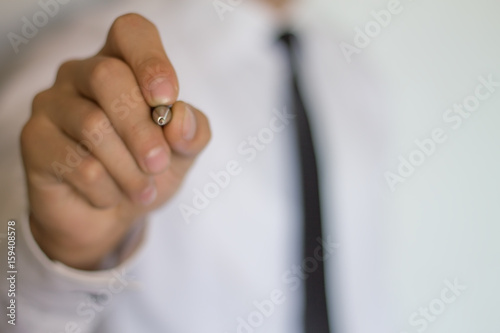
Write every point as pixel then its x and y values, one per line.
pixel 162 114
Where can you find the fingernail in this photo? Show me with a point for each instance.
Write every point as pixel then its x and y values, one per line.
pixel 162 91
pixel 148 195
pixel 157 160
pixel 188 124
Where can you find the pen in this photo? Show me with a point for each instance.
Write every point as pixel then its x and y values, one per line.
pixel 162 114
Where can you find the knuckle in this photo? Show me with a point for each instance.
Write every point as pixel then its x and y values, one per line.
pixel 28 134
pixel 93 120
pixel 64 70
pixel 91 171
pixel 127 20
pixel 40 100
pixel 105 70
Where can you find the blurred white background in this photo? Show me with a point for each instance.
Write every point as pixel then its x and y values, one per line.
pixel 445 217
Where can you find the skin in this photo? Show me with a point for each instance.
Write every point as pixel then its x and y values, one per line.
pixel 277 4
pixel 81 213
pixel 81 217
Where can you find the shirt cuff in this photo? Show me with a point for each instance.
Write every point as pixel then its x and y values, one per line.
pixel 51 295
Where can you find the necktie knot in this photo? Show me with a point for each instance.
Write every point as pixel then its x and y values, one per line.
pixel 290 41
pixel 288 38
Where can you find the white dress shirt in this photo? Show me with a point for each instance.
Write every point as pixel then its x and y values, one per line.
pixel 224 260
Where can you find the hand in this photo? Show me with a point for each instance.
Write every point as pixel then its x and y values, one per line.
pixel 95 161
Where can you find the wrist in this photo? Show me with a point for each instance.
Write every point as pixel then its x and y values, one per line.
pixel 84 255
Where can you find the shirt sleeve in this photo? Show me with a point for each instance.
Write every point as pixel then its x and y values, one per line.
pixel 47 296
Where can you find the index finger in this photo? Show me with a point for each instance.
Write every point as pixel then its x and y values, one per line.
pixel 136 41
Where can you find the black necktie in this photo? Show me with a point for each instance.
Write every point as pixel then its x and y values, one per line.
pixel 316 314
